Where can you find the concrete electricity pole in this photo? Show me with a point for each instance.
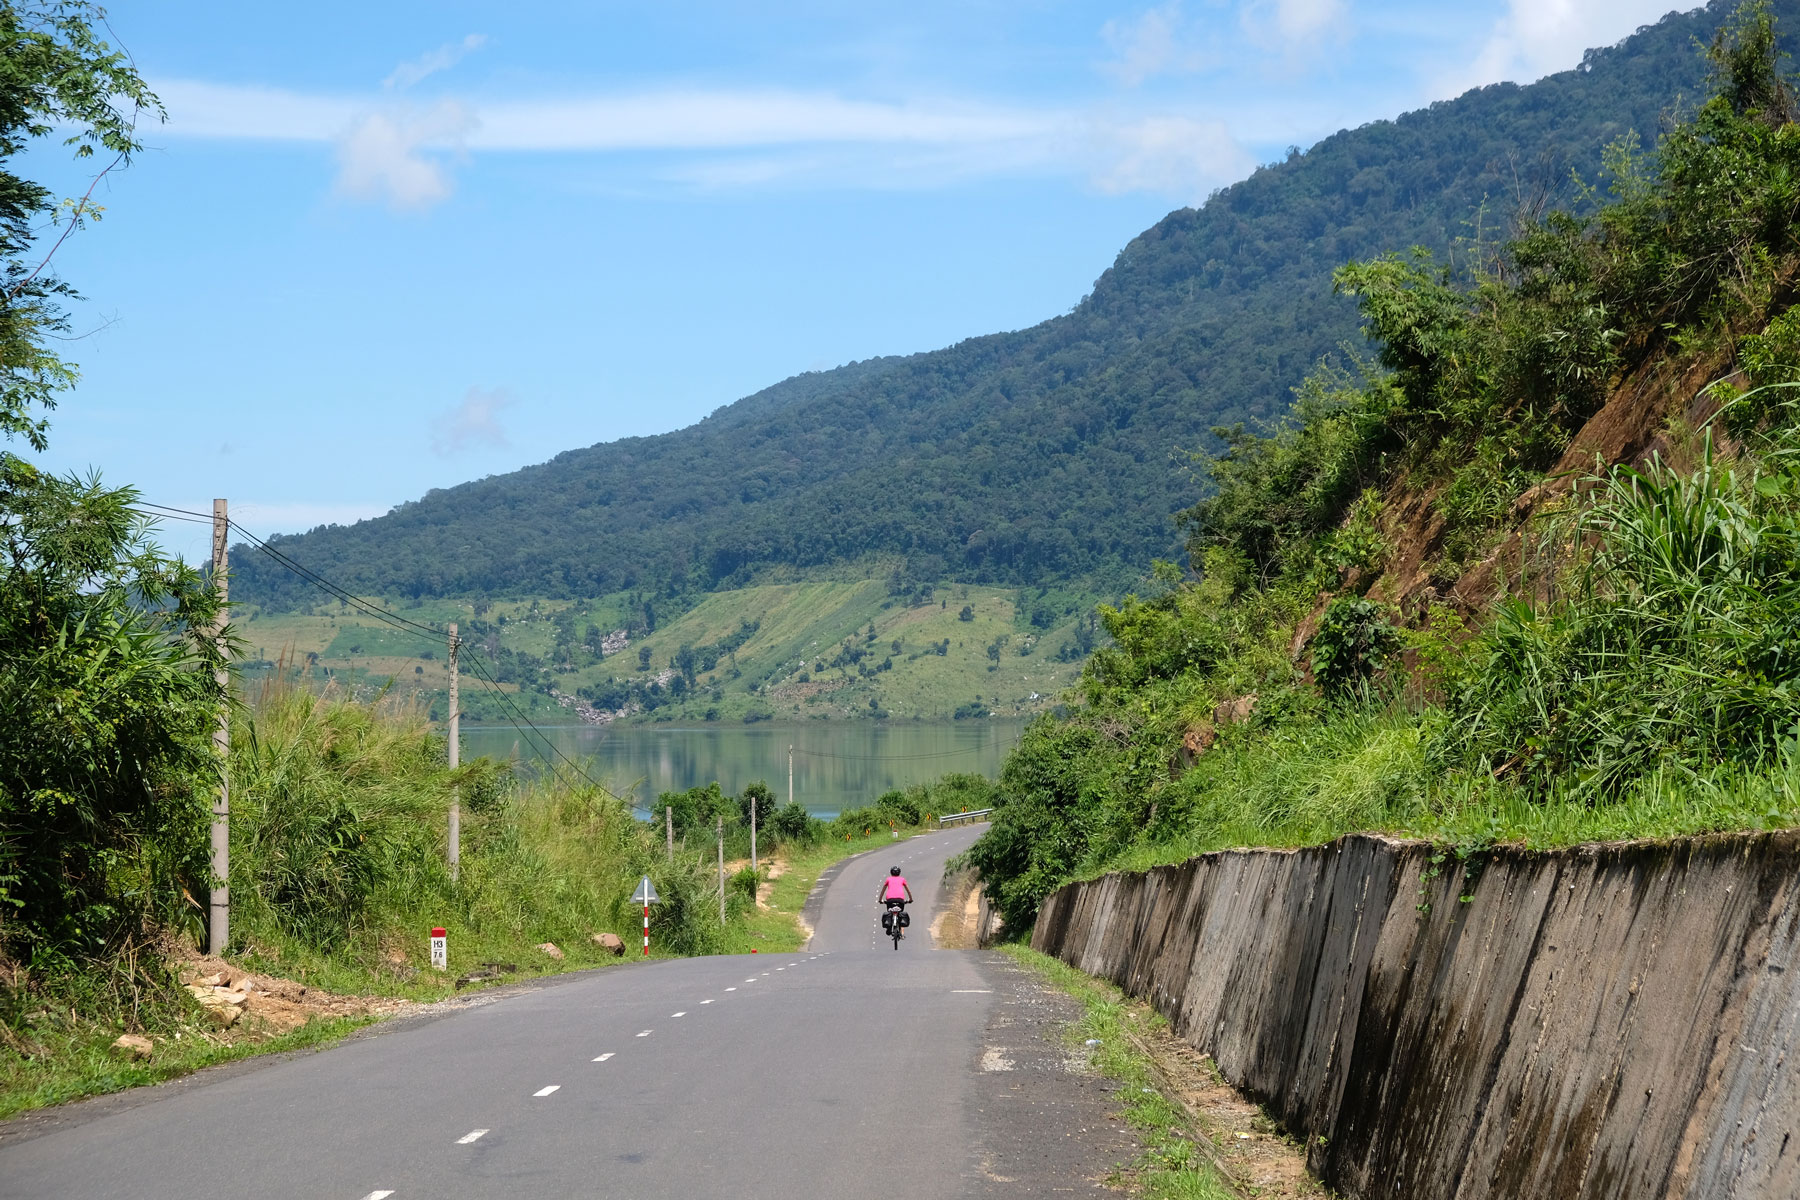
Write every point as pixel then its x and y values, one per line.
pixel 455 849
pixel 721 870
pixel 755 803
pixel 790 773
pixel 219 927
pixel 669 830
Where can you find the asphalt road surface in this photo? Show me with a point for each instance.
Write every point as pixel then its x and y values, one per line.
pixel 847 1070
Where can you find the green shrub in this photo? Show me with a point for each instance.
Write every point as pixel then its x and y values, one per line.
pixel 107 707
pixel 743 884
pixel 793 824
pixel 898 808
pixel 1355 641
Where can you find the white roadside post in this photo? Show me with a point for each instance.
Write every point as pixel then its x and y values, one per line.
pixel 645 895
pixel 440 949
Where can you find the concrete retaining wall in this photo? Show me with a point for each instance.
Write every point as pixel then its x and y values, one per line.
pixel 1607 1021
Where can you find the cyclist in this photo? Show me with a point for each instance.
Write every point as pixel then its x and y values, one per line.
pixel 895 896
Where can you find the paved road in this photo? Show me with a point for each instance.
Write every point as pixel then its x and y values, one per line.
pixel 847 1070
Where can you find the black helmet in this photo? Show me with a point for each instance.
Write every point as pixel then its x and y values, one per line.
pixel 893 870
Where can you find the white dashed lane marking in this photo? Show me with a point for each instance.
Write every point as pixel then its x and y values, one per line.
pixel 672 1016
pixel 470 1136
pixel 647 1033
pixel 378 1195
pixel 545 1091
pixel 706 1002
pixel 731 989
pixel 604 1057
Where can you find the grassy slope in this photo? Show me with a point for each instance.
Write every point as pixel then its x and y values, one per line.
pixel 799 623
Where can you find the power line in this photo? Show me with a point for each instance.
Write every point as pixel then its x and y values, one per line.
pixel 395 621
pixel 523 723
pixel 895 757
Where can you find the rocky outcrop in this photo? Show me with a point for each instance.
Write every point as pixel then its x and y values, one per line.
pixel 1606 1021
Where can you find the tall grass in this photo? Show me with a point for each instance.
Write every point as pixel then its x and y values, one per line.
pixel 1679 643
pixel 339 836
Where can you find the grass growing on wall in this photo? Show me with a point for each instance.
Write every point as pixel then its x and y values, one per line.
pixel 1369 771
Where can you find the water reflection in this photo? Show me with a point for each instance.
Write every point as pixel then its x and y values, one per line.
pixel 836 765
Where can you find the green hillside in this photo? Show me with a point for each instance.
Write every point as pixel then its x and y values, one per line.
pixel 1534 580
pixel 1051 454
pixel 822 649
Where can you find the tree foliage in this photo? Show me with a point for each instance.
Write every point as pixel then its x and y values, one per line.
pixel 107 694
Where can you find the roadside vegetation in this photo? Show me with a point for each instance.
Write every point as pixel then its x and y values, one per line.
pixel 1187 1155
pixel 338 875
pixel 1424 605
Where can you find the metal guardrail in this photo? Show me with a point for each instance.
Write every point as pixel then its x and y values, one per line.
pixel 963 816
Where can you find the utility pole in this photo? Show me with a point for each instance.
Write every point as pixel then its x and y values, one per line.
pixel 455 849
pixel 669 829
pixel 790 772
pixel 219 927
pixel 721 870
pixel 754 805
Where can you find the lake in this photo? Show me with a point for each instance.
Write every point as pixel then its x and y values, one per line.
pixel 837 765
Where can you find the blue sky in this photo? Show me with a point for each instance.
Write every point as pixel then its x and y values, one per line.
pixel 381 248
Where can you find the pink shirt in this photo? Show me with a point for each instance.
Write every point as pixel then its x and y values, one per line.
pixel 896 888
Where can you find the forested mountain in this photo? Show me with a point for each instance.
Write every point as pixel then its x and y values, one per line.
pixel 1051 453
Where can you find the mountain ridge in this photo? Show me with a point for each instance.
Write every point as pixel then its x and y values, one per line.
pixel 1045 454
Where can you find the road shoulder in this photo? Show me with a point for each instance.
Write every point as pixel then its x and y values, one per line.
pixel 1046 1123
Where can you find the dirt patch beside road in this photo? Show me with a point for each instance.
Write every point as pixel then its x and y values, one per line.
pixel 273 1004
pixel 957 923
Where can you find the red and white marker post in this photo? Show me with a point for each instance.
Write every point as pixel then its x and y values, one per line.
pixel 645 895
pixel 440 949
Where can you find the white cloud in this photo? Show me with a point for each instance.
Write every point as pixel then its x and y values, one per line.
pixel 1180 157
pixel 729 139
pixel 213 110
pixel 473 424
pixel 671 119
pixel 1291 24
pixel 433 61
pixel 721 119
pixel 397 155
pixel 1156 43
pixel 1538 37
